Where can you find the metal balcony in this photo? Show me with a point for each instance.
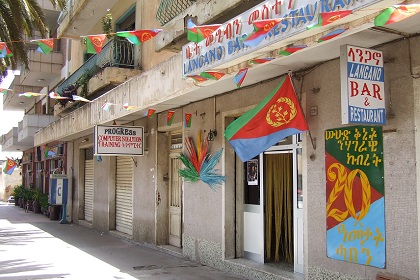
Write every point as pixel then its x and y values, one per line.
pixel 116 53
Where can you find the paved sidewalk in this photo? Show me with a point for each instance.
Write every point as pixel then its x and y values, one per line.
pixel 33 247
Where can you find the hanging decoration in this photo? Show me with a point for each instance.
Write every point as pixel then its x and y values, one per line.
pixel 240 77
pixel 196 33
pixel 4 90
pixel 396 13
pixel 128 107
pixel 45 46
pixel 197 78
pixel 331 35
pixel 9 166
pixel 79 98
pixel 94 43
pixel 260 60
pixel 4 50
pixel 187 119
pixel 31 94
pixel 170 118
pixel 106 106
pixel 326 18
pixel 55 95
pixel 212 75
pixel 150 113
pixel 199 165
pixel 292 49
pixel 138 37
pixel 261 29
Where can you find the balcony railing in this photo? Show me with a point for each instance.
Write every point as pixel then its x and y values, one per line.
pixel 169 9
pixel 116 53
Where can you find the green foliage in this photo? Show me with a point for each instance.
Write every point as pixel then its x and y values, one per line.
pixel 36 195
pixel 107 24
pixel 18 191
pixel 43 201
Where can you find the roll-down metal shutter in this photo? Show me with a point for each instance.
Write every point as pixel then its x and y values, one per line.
pixel 124 195
pixel 89 190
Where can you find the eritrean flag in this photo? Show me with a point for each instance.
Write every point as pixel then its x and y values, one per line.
pixel 277 116
pixel 5 90
pixel 290 50
pixel 45 46
pixel 170 118
pixel 261 29
pixel 331 35
pixel 187 120
pixel 79 98
pixel 326 18
pixel 10 166
pixel 30 94
pixel 129 107
pixel 55 95
pixel 260 60
pixel 240 77
pixel 197 78
pixel 4 50
pixel 197 33
pixel 94 43
pixel 138 37
pixel 212 75
pixel 150 112
pixel 396 13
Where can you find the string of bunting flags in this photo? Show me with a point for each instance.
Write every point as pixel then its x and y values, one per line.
pixel 195 33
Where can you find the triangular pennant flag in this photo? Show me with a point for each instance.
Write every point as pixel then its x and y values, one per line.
pixel 197 78
pixel 170 118
pixel 396 13
pixel 5 90
pixel 4 50
pixel 326 18
pixel 292 49
pixel 240 76
pixel 138 37
pixel 94 43
pixel 212 75
pixel 129 107
pixel 277 116
pixel 55 95
pixel 31 94
pixel 79 98
pixel 150 112
pixel 106 106
pixel 45 46
pixel 187 120
pixel 261 29
pixel 260 60
pixel 9 166
pixel 331 35
pixel 196 33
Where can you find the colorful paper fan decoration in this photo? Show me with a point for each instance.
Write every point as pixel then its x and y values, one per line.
pixel 292 49
pixel 55 95
pixel 31 94
pixel 79 98
pixel 240 77
pixel 45 46
pixel 331 35
pixel 138 37
pixel 4 50
pixel 326 18
pixel 212 75
pixel 396 13
pixel 196 33
pixel 94 43
pixel 261 29
pixel 128 107
pixel 260 60
pixel 150 113
pixel 199 165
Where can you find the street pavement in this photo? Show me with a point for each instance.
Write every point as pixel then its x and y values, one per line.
pixel 34 247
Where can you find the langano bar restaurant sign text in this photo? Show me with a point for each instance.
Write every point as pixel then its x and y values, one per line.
pixel 362 86
pixel 226 43
pixel 119 140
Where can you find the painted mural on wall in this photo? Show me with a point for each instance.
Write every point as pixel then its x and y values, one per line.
pixel 355 211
